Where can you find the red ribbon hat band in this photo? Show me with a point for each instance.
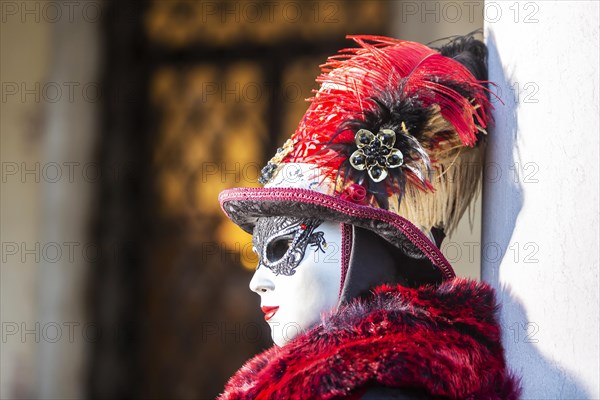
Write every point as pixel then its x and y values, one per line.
pixel 392 142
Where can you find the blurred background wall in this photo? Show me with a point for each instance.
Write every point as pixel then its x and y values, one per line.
pixel 120 123
pixel 49 131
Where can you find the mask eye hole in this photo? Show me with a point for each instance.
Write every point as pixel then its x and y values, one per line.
pixel 277 248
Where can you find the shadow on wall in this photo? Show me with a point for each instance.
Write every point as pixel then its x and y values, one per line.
pixel 541 377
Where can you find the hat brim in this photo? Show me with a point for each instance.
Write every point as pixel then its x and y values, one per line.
pixel 245 205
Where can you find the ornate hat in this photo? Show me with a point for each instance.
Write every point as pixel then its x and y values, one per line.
pixel 391 142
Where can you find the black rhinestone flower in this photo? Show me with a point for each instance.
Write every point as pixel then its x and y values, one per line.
pixel 267 172
pixel 376 153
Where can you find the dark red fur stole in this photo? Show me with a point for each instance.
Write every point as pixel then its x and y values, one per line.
pixel 443 339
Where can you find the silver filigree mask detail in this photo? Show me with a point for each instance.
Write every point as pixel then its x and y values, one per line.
pixel 282 241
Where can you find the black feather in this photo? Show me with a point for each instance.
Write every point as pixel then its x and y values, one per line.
pixel 470 52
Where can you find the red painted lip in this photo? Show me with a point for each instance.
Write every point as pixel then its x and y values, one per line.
pixel 269 311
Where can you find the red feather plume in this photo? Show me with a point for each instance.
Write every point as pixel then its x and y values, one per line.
pixel 378 66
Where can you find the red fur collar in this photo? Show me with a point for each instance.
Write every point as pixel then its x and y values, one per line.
pixel 443 339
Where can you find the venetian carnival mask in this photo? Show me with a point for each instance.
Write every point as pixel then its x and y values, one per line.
pixel 298 276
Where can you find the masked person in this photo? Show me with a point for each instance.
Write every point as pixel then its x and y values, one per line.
pixel 360 300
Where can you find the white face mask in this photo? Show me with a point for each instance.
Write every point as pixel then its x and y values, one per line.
pixel 299 273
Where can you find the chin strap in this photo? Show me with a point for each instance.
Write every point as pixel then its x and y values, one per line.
pixel 346 252
pixel 373 261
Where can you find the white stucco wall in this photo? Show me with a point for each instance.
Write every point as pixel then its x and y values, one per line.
pixel 541 202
